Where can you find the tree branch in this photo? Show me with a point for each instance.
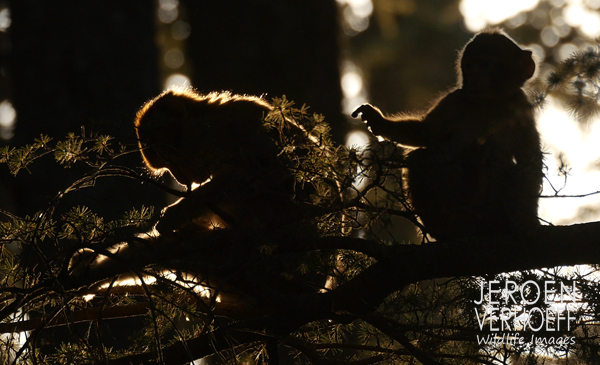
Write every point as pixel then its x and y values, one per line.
pixel 199 347
pixel 407 264
pixel 87 314
pixel 398 335
pixel 404 264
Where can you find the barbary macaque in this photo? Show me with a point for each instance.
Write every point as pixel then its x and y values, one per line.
pixel 477 166
pixel 217 140
pixel 241 192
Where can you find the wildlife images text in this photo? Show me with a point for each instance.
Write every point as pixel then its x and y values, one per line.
pixel 505 311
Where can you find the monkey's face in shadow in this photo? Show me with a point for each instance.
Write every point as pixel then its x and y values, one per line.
pixel 196 167
pixel 492 66
pixel 199 137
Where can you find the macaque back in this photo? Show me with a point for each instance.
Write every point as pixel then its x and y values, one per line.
pixel 217 140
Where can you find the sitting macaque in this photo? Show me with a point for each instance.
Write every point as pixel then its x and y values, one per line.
pixel 217 141
pixel 477 169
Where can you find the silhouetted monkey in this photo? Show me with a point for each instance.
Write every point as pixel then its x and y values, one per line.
pixel 217 140
pixel 478 166
pixel 245 198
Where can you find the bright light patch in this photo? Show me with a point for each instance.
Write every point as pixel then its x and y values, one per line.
pixel 578 15
pixel 89 297
pixel 4 20
pixel 168 4
pixel 168 16
pixel 176 80
pixel 131 281
pixel 351 84
pixel 357 23
pixel 574 14
pixel 7 119
pixel 189 281
pixel 361 8
pixel 11 343
pixel 168 11
pixel 580 147
pixel 516 21
pixel 480 13
pixel 591 26
pixel 549 37
pixel 357 140
pixel 566 50
pixel 352 87
pixel 356 15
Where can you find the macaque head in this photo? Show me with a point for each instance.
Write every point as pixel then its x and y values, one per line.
pixel 491 64
pixel 196 137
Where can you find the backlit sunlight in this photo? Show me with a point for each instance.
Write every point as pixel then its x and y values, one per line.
pixel 579 145
pixel 352 87
pixel 356 15
pixel 176 80
pixel 7 119
pixel 580 14
pixel 561 135
pixel 479 14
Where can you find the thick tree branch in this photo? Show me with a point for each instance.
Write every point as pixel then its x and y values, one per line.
pixel 87 314
pixel 403 265
pixel 548 247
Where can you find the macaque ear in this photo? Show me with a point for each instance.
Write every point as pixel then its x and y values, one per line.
pixel 527 64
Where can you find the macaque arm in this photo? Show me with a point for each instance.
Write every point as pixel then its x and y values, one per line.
pixel 408 131
pixel 440 122
pixel 200 202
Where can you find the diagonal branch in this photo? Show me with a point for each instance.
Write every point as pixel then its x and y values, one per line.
pixel 87 314
pixel 407 264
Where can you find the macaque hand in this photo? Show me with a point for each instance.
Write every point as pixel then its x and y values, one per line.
pixel 368 114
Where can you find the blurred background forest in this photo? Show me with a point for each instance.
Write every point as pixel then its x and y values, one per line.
pixel 64 65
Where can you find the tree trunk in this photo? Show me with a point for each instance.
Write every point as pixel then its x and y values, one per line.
pixel 269 47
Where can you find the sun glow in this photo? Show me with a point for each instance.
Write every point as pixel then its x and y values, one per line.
pixel 183 280
pixel 479 14
pixel 579 148
pixel 580 14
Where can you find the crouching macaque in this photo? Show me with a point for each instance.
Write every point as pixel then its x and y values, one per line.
pixel 477 169
pixel 217 141
pixel 242 195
